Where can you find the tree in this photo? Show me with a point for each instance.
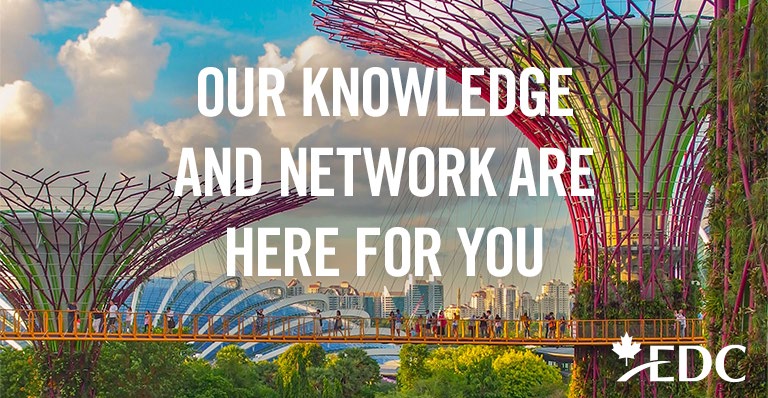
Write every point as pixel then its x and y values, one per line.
pixel 297 383
pixel 309 354
pixel 201 381
pixel 234 365
pixel 357 373
pixel 141 369
pixel 18 373
pixel 332 389
pixel 521 373
pixel 473 363
pixel 265 372
pixel 475 371
pixel 292 368
pixel 412 365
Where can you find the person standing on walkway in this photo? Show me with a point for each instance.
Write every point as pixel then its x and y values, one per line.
pixel 170 319
pixel 147 320
pixel 317 323
pixel 96 319
pixel 112 317
pixel 455 324
pixel 442 322
pixel 484 325
pixel 525 320
pixel 71 316
pixel 429 324
pixel 398 322
pixel 419 327
pixel 392 322
pixel 129 320
pixel 563 323
pixel 682 321
pixel 337 324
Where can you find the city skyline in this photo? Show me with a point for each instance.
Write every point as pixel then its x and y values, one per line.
pixel 421 295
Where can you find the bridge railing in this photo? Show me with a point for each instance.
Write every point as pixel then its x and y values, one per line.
pixel 42 325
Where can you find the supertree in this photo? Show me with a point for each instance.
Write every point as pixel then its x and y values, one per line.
pixel 640 80
pixel 67 239
pixel 737 278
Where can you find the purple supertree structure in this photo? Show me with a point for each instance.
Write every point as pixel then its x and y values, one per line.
pixel 640 78
pixel 67 239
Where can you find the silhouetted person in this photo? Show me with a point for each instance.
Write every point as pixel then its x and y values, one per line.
pixel 71 316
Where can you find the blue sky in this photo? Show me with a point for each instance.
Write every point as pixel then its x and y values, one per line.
pixel 200 33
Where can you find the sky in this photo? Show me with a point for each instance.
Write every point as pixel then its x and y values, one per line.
pixel 111 87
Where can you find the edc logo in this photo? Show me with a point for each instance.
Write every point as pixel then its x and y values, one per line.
pixel 626 349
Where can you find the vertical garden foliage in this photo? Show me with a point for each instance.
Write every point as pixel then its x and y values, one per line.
pixel 596 369
pixel 738 143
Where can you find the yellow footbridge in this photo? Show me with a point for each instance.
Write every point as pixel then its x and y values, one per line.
pixel 70 325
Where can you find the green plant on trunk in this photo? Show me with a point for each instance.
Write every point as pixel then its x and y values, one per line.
pixel 737 276
pixel 628 299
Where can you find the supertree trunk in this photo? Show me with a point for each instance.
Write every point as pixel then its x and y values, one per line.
pixel 68 368
pixel 737 294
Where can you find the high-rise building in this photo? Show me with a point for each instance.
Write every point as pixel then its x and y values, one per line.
pixel 333 299
pixel 351 301
pixel 391 301
pixel 478 302
pixel 416 295
pixel 491 298
pixel 547 304
pixel 506 297
pixel 372 304
pixel 436 297
pixel 561 295
pixel 422 295
pixel 528 305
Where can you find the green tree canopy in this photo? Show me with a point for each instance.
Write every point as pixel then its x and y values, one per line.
pixel 356 372
pixel 18 373
pixel 475 371
pixel 146 369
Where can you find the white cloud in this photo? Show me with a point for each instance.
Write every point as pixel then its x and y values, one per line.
pixel 19 20
pixel 315 52
pixel 117 62
pixel 139 151
pixel 197 132
pixel 73 13
pixel 23 112
pixel 111 67
pixel 156 145
pixel 197 33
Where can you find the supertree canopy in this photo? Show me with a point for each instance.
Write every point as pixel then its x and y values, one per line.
pixel 67 239
pixel 640 78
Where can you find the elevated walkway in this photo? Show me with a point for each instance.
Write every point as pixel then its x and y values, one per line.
pixel 64 325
